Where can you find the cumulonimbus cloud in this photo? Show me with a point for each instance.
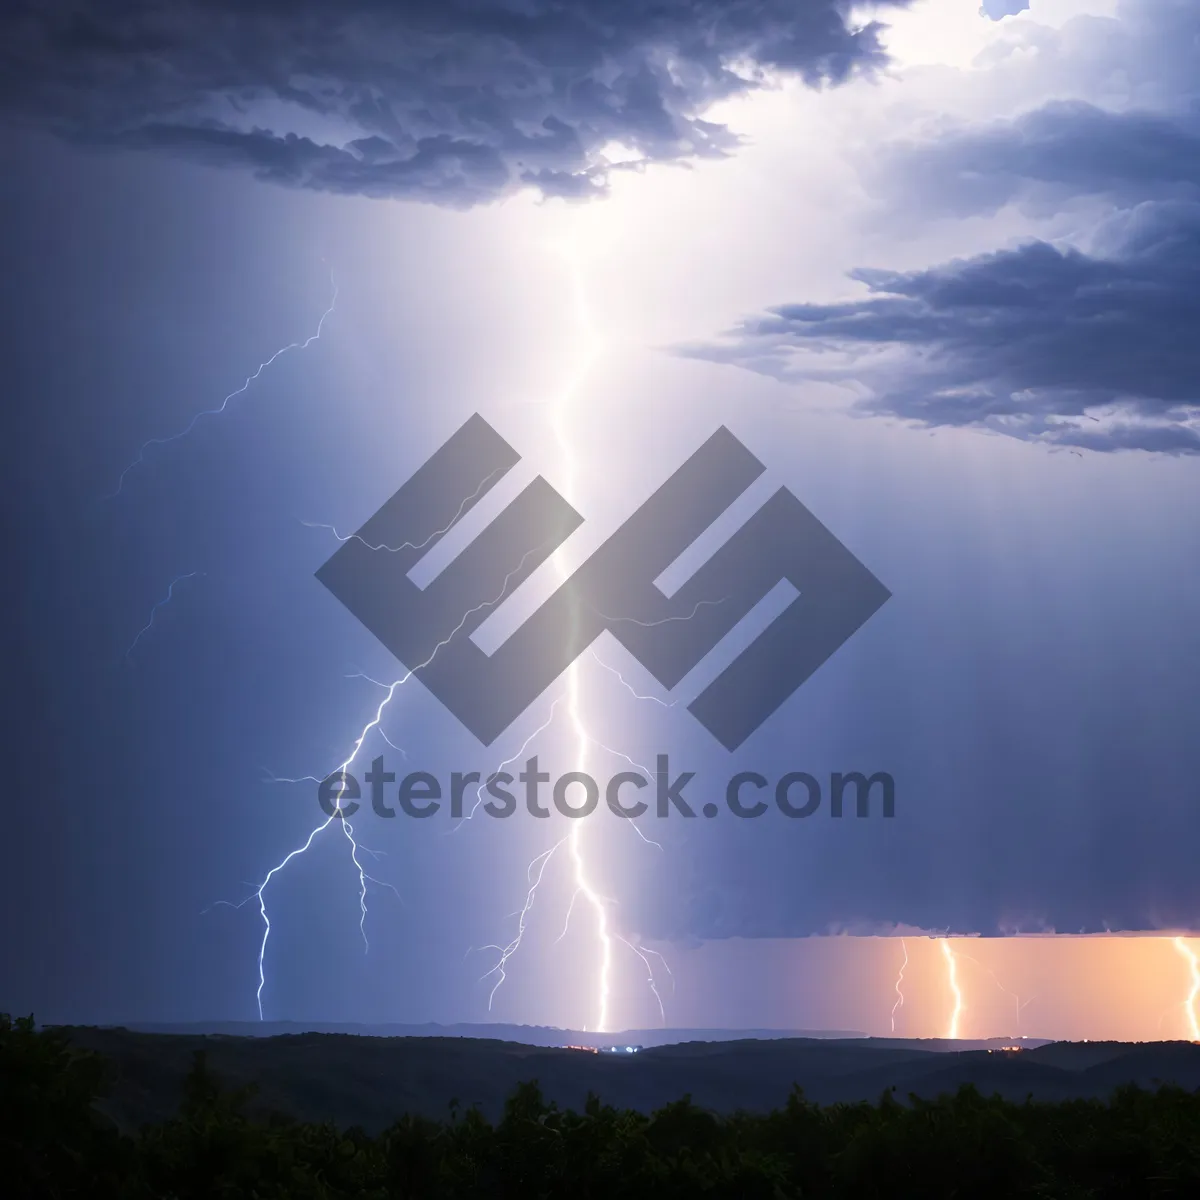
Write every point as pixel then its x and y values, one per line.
pixel 455 102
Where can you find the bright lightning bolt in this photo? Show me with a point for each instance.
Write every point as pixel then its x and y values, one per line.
pixel 1190 1003
pixel 899 980
pixel 591 349
pixel 952 978
pixel 506 952
pixel 583 887
pixel 214 412
pixel 165 600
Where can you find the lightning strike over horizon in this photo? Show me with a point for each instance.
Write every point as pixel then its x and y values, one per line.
pixel 1020 1007
pixel 583 887
pixel 214 412
pixel 952 1030
pixel 899 980
pixel 590 353
pixel 165 600
pixel 1190 1003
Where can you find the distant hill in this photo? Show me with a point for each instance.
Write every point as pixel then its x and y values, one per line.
pixel 369 1081
pixel 530 1035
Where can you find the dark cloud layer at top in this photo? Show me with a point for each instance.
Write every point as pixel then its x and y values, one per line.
pixel 450 101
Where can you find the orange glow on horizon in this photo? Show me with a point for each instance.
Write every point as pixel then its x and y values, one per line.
pixel 911 984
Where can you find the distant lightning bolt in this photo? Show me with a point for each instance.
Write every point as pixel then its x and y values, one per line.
pixel 663 620
pixel 214 412
pixel 952 977
pixel 399 749
pixel 629 687
pixel 153 612
pixel 899 980
pixel 508 762
pixel 1007 991
pixel 1190 1003
pixel 666 965
pixel 646 772
pixel 650 980
pixel 506 952
pixel 437 533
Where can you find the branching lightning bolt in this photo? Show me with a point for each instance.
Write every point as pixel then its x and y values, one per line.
pixel 1190 1003
pixel 663 620
pixel 574 840
pixel 506 952
pixel 165 600
pixel 956 991
pixel 583 886
pixel 214 412
pixel 645 771
pixel 650 980
pixel 628 686
pixel 1007 991
pixel 508 762
pixel 347 828
pixel 354 537
pixel 899 980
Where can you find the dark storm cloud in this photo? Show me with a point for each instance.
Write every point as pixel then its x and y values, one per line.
pixel 1061 150
pixel 452 101
pixel 1090 350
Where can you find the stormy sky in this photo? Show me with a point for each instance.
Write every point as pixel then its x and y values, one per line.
pixel 933 264
pixel 1082 339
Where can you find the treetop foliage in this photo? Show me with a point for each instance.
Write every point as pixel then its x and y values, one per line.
pixel 56 1142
